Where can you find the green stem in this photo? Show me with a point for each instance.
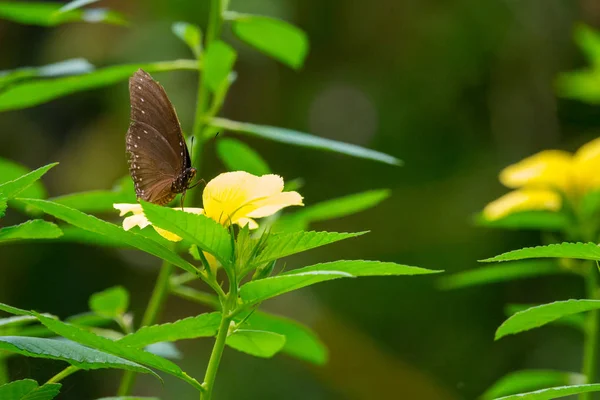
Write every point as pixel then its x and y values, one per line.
pixel 590 351
pixel 196 296
pixel 63 374
pixel 157 300
pixel 215 357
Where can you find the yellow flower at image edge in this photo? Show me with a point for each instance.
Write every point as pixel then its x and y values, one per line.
pixel 542 179
pixel 230 198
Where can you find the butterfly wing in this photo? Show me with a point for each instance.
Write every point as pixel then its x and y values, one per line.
pixel 157 151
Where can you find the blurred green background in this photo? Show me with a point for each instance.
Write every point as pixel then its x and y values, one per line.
pixel 457 89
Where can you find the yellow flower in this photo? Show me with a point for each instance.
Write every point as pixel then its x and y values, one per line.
pixel 230 198
pixel 544 178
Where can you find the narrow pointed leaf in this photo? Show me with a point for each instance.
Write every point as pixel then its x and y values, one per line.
pixel 263 289
pixel 110 303
pixel 12 188
pixel 364 268
pixel 73 66
pixel 301 139
pixel 218 63
pixel 276 38
pixel 576 321
pixel 34 229
pixel 16 321
pixel 98 226
pixel 34 92
pixel 87 338
pixel 553 393
pixel 17 389
pixel 501 273
pixel 10 170
pixel 95 201
pixel 190 34
pixel 256 343
pixel 200 230
pixel 238 156
pixel 531 379
pixel 583 251
pixel 75 354
pixel 534 220
pixel 541 315
pixel 49 14
pixel 204 325
pixel 285 244
pixel 44 392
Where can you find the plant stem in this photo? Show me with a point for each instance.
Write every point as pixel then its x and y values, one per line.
pixel 63 374
pixel 590 351
pixel 215 357
pixel 155 306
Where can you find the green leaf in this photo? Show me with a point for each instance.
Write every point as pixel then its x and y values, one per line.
pixel 238 156
pixel 501 273
pixel 44 392
pixel 190 34
pixel 285 244
pixel 100 227
pixel 129 398
pixel 301 139
pixel 110 303
pixel 10 170
pixel 203 325
pixel 87 338
pixel 553 393
pixel 541 315
pixel 73 66
pixel 17 321
pixel 3 205
pixel 28 389
pixel 34 229
pixel 334 208
pixel 576 321
pixel 14 310
pixel 75 354
pixel 301 342
pixel 34 92
pixel 364 268
pixel 256 343
pixel 200 230
pixel 218 63
pixel 534 220
pixel 530 379
pixel 72 5
pixel 95 201
pixel 263 289
pixel 583 251
pixel 73 234
pixel 588 40
pixel 276 38
pixel 583 85
pixel 12 188
pixel 49 14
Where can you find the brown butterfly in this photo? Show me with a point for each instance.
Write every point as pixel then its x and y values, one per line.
pixel 159 161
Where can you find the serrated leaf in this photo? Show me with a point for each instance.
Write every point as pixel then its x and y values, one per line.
pixel 190 34
pixel 541 315
pixel 110 303
pixel 166 350
pixel 535 220
pixel 582 251
pixel 300 341
pixel 75 354
pixel 330 209
pixel 73 234
pixel 87 338
pixel 98 226
pixel 301 139
pixel 263 289
pixel 204 325
pixel 34 229
pixel 218 62
pixel 95 201
pixel 17 389
pixel 285 244
pixel 364 268
pixel 10 170
pixel 44 392
pixel 256 343
pixel 576 321
pixel 530 379
pixel 34 92
pixel 276 38
pixel 200 230
pixel 238 156
pixel 49 14
pixel 72 66
pixel 501 273
pixel 553 393
pixel 12 188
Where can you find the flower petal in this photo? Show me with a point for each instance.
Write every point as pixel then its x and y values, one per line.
pixel 166 234
pixel 125 208
pixel 546 169
pixel 522 200
pixel 587 166
pixel 135 220
pixel 247 221
pixel 272 204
